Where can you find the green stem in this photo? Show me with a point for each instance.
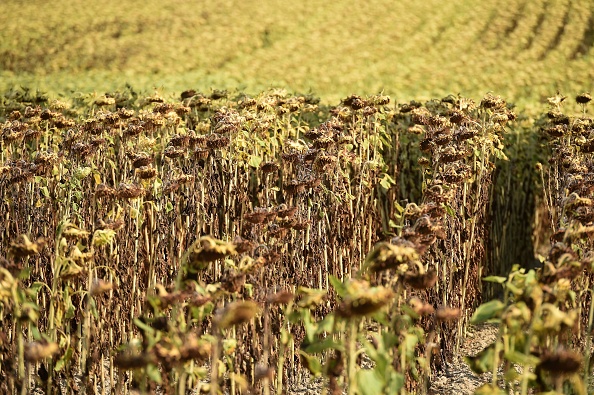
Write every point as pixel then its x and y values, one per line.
pixel 352 356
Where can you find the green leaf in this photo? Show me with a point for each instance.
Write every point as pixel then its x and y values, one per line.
pixel 255 161
pixel 35 287
pixel 321 346
pixel 396 382
pixel 64 360
pixel 339 286
pixel 386 181
pixel 143 327
pixel 326 325
pixel 24 273
pixel 311 363
pixel 487 311
pixel 153 373
pixel 370 382
pixel 489 389
pixel 450 211
pixel 168 207
pixel 521 358
pixel 483 361
pixel 495 279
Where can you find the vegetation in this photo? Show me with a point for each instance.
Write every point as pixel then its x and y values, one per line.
pixel 522 50
pixel 225 241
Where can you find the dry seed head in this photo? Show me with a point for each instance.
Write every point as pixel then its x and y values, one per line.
pixel 457 117
pixel 363 299
pixel 174 152
pixel 129 191
pixel 134 130
pixel 314 134
pixel 287 223
pixel 303 225
pixel 146 172
pixel 283 211
pixel 215 141
pixel 426 145
pixel 386 256
pixel 103 190
pixel 105 101
pixel 442 139
pixel 208 249
pixel 109 224
pixel 323 142
pixel 242 245
pixel 583 98
pixel 73 232
pixel 15 115
pixel 556 130
pixel 236 313
pixel 416 129
pixel 561 362
pixel 295 187
pixel 179 140
pixel 558 118
pixel 37 351
pixel 447 314
pixel 408 107
pixel 32 134
pixel 465 133
pixel 8 284
pixel 420 307
pixel 292 156
pixel 198 140
pixel 423 161
pixel 492 101
pixel 282 297
pixel 451 154
pixel 258 216
pixel 500 118
pixel 421 281
pixel 355 102
pixel 188 94
pixel 269 167
pixel 201 153
pixel 129 361
pixel 100 286
pixel 125 113
pixel 23 247
pixel 233 283
pixel 310 298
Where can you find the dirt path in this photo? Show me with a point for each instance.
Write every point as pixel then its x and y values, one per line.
pixel 457 379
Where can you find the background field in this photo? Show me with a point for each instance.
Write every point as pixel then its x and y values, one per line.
pixel 522 50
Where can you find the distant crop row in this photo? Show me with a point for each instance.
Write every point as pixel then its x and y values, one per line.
pixel 521 49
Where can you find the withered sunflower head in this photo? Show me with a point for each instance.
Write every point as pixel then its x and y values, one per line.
pixel 236 313
pixel 561 362
pixel 269 167
pixel 362 299
pixel 447 314
pixel 583 98
pixel 208 249
pixel 386 256
pixel 281 297
pixel 421 281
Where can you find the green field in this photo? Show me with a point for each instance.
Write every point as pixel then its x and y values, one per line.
pixel 522 50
